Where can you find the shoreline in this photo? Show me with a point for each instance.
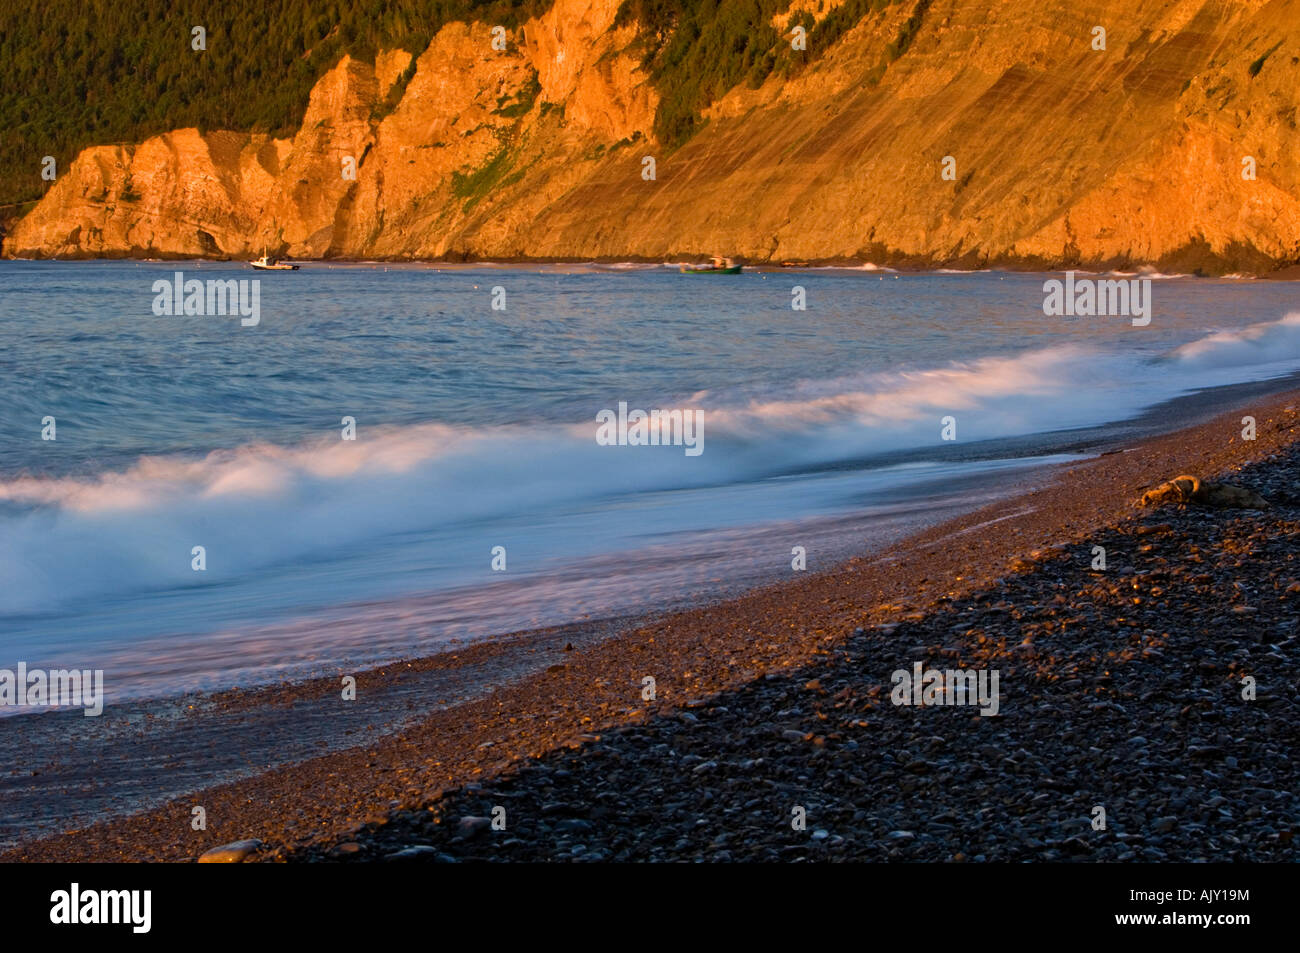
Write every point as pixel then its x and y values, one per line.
pixel 569 696
pixel 1282 271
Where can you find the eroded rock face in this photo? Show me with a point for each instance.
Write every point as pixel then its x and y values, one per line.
pixel 1062 154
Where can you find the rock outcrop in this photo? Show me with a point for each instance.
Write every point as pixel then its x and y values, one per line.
pixel 1060 154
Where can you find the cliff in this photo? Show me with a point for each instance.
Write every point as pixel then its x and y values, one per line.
pixel 1061 154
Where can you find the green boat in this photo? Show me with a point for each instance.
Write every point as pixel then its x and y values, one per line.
pixel 719 266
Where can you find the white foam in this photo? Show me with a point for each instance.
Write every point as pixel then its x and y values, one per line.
pixel 1268 342
pixel 82 538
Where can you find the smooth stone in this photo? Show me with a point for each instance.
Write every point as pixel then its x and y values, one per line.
pixel 233 853
pixel 414 852
pixel 468 827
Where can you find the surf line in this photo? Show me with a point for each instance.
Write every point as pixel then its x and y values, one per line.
pixel 655 428
pixel 73 688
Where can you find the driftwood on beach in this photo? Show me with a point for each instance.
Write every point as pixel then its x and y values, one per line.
pixel 1189 489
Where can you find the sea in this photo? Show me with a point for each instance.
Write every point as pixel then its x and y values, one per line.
pixel 398 459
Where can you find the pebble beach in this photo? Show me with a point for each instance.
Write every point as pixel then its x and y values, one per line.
pixel 1160 689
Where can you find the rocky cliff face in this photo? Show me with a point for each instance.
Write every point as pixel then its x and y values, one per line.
pixel 1060 154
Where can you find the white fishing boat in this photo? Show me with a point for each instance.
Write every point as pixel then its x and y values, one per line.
pixel 272 264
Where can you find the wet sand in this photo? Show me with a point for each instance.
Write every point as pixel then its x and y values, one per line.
pixel 414 734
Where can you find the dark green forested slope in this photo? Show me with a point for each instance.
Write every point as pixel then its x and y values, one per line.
pixel 697 50
pixel 75 73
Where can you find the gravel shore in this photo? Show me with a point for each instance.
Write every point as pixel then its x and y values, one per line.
pixel 1119 688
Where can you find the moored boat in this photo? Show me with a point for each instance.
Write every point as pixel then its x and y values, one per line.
pixel 718 266
pixel 272 264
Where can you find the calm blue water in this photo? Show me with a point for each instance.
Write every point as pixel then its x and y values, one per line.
pixel 476 428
